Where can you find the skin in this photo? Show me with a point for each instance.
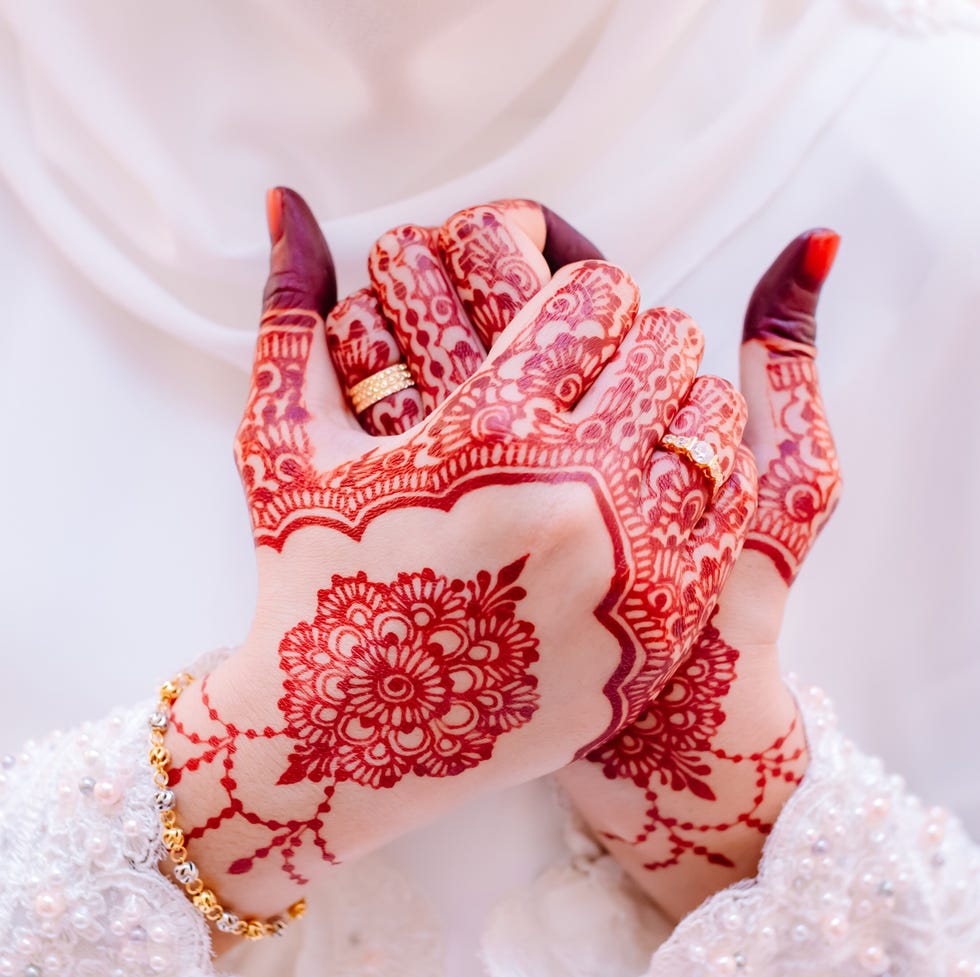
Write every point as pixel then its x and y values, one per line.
pixel 410 647
pixel 685 797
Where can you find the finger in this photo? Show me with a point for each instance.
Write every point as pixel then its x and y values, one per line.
pixel 716 540
pixel 782 309
pixel 552 352
pixel 643 385
pixel 361 345
pixel 681 484
pixel 300 290
pixel 417 297
pixel 493 256
pixel 800 478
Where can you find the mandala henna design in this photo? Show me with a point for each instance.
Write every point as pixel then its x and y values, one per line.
pixel 673 744
pixel 496 433
pixel 417 676
pixel 799 489
pixel 421 676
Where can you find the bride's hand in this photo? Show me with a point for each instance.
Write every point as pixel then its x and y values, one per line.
pixel 685 797
pixel 465 605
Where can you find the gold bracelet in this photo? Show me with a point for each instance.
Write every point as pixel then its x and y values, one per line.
pixel 185 871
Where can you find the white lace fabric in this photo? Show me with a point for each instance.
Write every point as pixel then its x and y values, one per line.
pixel 79 847
pixel 857 878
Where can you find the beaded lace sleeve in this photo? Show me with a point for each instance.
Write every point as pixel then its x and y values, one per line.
pixel 79 847
pixel 857 878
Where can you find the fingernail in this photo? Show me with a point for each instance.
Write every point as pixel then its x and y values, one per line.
pixel 301 269
pixel 273 213
pixel 821 250
pixel 784 302
pixel 564 245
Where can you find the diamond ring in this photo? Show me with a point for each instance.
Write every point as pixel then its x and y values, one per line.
pixel 699 452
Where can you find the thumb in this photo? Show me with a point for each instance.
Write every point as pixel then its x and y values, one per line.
pixel 301 269
pixel 787 430
pixel 784 304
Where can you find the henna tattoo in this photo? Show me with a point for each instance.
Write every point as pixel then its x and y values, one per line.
pixel 361 344
pixel 504 433
pixel 800 487
pixel 219 745
pixel 674 744
pixel 441 347
pixel 491 273
pixel 421 676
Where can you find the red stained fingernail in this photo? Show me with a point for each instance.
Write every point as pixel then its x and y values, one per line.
pixel 821 250
pixel 273 211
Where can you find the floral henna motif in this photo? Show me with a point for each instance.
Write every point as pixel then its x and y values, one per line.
pixel 673 744
pixel 800 487
pixel 492 431
pixel 417 676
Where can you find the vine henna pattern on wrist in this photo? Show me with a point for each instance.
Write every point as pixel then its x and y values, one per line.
pixel 800 488
pixel 673 744
pixel 420 675
pixel 494 433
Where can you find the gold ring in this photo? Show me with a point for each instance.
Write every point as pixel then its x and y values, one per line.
pixel 380 385
pixel 699 452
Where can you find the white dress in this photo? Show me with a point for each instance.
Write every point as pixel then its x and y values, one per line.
pixel 857 878
pixel 690 139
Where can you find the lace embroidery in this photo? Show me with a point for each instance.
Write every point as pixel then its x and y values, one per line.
pixel 857 878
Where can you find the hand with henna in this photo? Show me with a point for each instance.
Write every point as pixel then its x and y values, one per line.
pixel 468 602
pixel 685 797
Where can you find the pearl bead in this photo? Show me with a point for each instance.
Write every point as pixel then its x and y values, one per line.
pixel 53 961
pixel 118 927
pixel 131 828
pixel 820 846
pixel 834 927
pixel 800 933
pixel 92 757
pixel 159 963
pixel 106 792
pixel 6 967
pixel 49 904
pixel 95 845
pixel 158 932
pixel 86 785
pixel 732 922
pixel 863 909
pixel 32 971
pixel 697 953
pixel 933 834
pixel 137 934
pixel 878 809
pixel 961 968
pixel 874 959
pixel 724 964
pixel 8 761
pixel 767 932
